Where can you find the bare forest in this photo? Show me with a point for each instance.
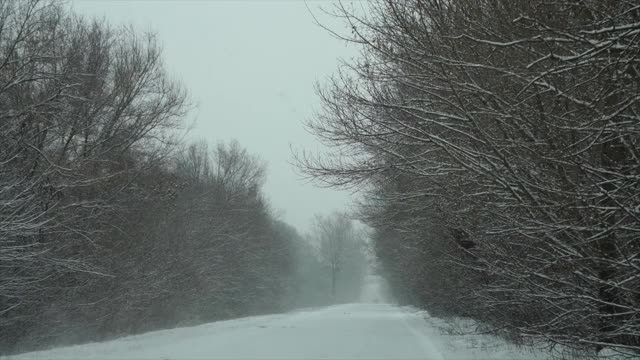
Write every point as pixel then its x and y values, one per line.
pixel 496 143
pixel 110 223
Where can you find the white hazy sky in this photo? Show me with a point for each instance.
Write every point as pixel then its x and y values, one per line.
pixel 250 67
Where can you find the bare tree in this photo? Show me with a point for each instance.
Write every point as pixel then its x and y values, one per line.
pixel 341 249
pixel 514 123
pixel 109 224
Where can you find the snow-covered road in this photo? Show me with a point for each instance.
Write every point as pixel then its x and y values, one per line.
pixel 352 331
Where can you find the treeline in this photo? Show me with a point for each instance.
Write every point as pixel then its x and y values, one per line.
pixel 109 223
pixel 498 142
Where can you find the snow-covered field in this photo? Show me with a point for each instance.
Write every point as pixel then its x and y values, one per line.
pixel 352 331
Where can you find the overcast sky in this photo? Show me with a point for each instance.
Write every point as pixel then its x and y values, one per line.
pixel 250 67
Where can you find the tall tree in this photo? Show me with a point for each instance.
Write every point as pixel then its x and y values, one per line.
pixel 109 225
pixel 509 128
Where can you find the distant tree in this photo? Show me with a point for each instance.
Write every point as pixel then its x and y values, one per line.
pixel 308 284
pixel 341 249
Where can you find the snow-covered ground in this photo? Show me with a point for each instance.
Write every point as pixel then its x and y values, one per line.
pixel 367 330
pixel 352 331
